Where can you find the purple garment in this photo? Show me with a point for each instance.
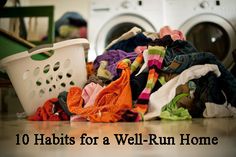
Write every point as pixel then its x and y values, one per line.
pixel 112 57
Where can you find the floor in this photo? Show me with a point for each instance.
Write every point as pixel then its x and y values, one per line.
pixel 207 137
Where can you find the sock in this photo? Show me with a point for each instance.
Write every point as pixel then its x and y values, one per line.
pixel 155 59
pixel 137 62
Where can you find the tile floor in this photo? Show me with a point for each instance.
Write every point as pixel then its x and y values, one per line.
pixel 221 131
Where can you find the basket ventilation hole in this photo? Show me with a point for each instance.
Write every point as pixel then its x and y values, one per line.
pixel 63 84
pixel 46 69
pixel 67 63
pixel 26 74
pixel 60 76
pixel 56 66
pixel 50 89
pixel 69 73
pixel 39 82
pixel 49 79
pixel 54 86
pixel 36 71
pixel 72 83
pixel 41 92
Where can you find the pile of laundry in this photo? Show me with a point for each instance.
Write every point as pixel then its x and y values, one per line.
pixel 71 25
pixel 145 76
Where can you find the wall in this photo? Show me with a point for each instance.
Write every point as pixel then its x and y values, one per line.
pixel 61 6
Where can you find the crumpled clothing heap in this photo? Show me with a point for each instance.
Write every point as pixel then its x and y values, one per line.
pixel 50 111
pixel 110 104
pixel 70 25
pixel 177 82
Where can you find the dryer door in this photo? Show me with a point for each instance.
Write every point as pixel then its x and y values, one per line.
pixel 119 25
pixel 211 33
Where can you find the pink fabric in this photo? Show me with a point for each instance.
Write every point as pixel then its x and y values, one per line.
pixel 164 31
pixel 90 93
pixel 179 33
pixel 83 32
pixel 154 57
pixel 87 91
pixel 144 95
pixel 140 49
pixel 77 118
pixel 147 90
pixel 158 63
pixel 175 34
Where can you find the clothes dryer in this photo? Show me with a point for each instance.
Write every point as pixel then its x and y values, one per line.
pixel 209 24
pixel 109 19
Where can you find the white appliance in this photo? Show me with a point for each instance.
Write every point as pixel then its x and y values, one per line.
pixel 111 18
pixel 209 24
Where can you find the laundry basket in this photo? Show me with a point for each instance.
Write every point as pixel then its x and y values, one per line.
pixel 36 81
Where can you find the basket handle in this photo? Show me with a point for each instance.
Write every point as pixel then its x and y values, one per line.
pixel 41 49
pixel 47 47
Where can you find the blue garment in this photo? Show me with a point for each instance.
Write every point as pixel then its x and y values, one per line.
pixel 208 89
pixel 130 44
pixel 177 48
pixel 183 53
pixel 165 41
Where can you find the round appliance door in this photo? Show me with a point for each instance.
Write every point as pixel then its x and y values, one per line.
pixel 117 26
pixel 211 33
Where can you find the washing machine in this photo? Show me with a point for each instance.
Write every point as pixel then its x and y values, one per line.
pixel 209 24
pixel 109 19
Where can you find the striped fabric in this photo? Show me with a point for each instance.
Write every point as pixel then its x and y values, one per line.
pixel 137 62
pixel 155 58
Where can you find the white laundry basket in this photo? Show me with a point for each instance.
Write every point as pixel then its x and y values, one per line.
pixel 36 81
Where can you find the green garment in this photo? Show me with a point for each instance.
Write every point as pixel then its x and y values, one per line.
pixel 172 112
pixel 162 80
